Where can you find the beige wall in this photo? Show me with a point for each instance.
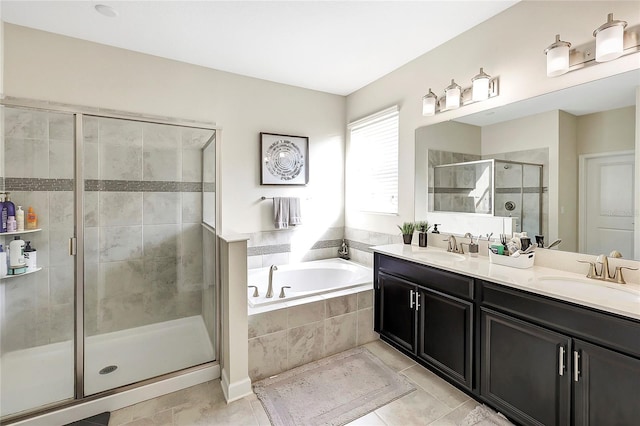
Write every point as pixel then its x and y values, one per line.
pixel 510 45
pixel 45 66
pixel 568 179
pixel 607 131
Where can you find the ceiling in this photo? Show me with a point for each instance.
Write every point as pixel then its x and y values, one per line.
pixel 331 46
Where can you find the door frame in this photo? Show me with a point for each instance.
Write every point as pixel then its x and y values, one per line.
pixel 582 190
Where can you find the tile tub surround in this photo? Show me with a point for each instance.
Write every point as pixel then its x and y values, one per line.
pixel 361 241
pixel 289 337
pixel 297 244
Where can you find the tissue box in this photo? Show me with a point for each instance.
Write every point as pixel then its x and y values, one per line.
pixel 521 262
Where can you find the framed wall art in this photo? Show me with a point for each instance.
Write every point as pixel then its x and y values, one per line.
pixel 284 159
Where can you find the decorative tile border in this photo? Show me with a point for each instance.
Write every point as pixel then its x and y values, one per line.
pixel 286 248
pixel 38 184
pixel 514 190
pixel 141 186
pixel 357 245
pixel 208 187
pixel 43 184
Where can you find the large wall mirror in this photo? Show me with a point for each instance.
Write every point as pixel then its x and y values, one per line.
pixel 563 166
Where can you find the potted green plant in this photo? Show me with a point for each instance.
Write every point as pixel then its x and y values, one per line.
pixel 407 229
pixel 423 227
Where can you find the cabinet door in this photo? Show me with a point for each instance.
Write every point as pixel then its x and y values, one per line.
pixel 445 334
pixel 524 370
pixel 397 311
pixel 606 386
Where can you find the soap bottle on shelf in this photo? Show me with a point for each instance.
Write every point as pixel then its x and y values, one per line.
pixel 17 264
pixel 30 257
pixel 32 219
pixel 11 208
pixel 20 219
pixel 12 226
pixel 3 214
pixel 3 262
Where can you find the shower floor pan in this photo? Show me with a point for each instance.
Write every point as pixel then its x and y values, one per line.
pixel 42 375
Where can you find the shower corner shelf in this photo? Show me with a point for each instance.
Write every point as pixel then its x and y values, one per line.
pixel 21 275
pixel 26 231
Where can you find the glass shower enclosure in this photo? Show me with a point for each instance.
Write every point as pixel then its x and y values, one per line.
pixel 124 290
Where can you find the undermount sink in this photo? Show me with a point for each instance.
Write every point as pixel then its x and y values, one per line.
pixel 590 288
pixel 441 256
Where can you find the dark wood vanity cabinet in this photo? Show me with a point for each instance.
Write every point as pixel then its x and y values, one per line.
pixel 547 362
pixel 538 360
pixel 524 370
pixel 434 326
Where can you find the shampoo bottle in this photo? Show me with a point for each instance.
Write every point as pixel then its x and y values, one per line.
pixel 3 262
pixel 16 253
pixel 3 215
pixel 32 219
pixel 30 257
pixel 11 208
pixel 12 226
pixel 20 219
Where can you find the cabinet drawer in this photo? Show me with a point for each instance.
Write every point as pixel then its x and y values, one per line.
pixel 427 276
pixel 598 327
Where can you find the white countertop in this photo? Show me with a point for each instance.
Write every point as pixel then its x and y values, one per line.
pixel 622 299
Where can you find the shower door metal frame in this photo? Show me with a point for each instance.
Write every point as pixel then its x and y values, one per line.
pixel 540 189
pixel 76 244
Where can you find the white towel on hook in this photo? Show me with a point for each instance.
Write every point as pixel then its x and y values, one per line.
pixel 281 212
pixel 295 218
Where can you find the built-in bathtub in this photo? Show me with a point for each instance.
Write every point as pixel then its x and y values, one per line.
pixel 328 309
pixel 307 279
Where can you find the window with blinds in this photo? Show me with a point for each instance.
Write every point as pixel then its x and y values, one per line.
pixel 373 163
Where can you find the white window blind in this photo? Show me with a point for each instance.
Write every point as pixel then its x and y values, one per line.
pixel 373 162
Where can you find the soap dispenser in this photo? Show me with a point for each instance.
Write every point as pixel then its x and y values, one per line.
pixel 435 228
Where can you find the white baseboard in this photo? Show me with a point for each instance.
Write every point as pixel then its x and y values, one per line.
pixel 123 399
pixel 236 390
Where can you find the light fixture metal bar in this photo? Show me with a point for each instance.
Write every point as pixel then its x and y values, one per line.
pixel 494 90
pixel 585 55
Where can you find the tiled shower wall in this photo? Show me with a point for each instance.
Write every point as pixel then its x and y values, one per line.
pixel 143 232
pixel 37 309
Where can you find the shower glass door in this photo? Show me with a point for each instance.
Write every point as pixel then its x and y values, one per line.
pixel 145 293
pixel 37 305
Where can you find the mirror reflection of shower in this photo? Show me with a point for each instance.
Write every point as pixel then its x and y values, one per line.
pixel 489 187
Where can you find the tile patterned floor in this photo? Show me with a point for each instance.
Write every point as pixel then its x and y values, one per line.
pixel 435 402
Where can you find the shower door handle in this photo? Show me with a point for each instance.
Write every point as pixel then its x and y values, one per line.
pixel 72 246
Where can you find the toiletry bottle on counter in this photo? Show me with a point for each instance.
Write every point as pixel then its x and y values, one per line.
pixel 20 219
pixel 3 262
pixel 32 219
pixel 30 257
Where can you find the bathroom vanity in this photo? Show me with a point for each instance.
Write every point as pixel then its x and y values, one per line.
pixel 531 343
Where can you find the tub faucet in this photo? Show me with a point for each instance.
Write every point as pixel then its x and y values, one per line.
pixel 270 288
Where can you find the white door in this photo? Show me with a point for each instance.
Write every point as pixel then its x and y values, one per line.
pixel 608 203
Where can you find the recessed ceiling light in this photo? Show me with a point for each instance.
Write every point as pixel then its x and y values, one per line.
pixel 107 11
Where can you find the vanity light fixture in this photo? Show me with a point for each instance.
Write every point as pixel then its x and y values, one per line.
pixel 429 102
pixel 609 39
pixel 613 40
pixel 480 86
pixel 557 57
pixel 483 87
pixel 453 95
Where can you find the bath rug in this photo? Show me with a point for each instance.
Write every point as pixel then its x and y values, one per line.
pixel 484 416
pixel 332 391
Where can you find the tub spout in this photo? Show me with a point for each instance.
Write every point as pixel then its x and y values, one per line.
pixel 270 288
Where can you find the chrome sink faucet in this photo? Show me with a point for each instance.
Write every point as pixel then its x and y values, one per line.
pixel 605 273
pixel 270 288
pixel 452 246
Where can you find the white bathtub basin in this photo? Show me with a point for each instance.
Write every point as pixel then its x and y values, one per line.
pixel 592 289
